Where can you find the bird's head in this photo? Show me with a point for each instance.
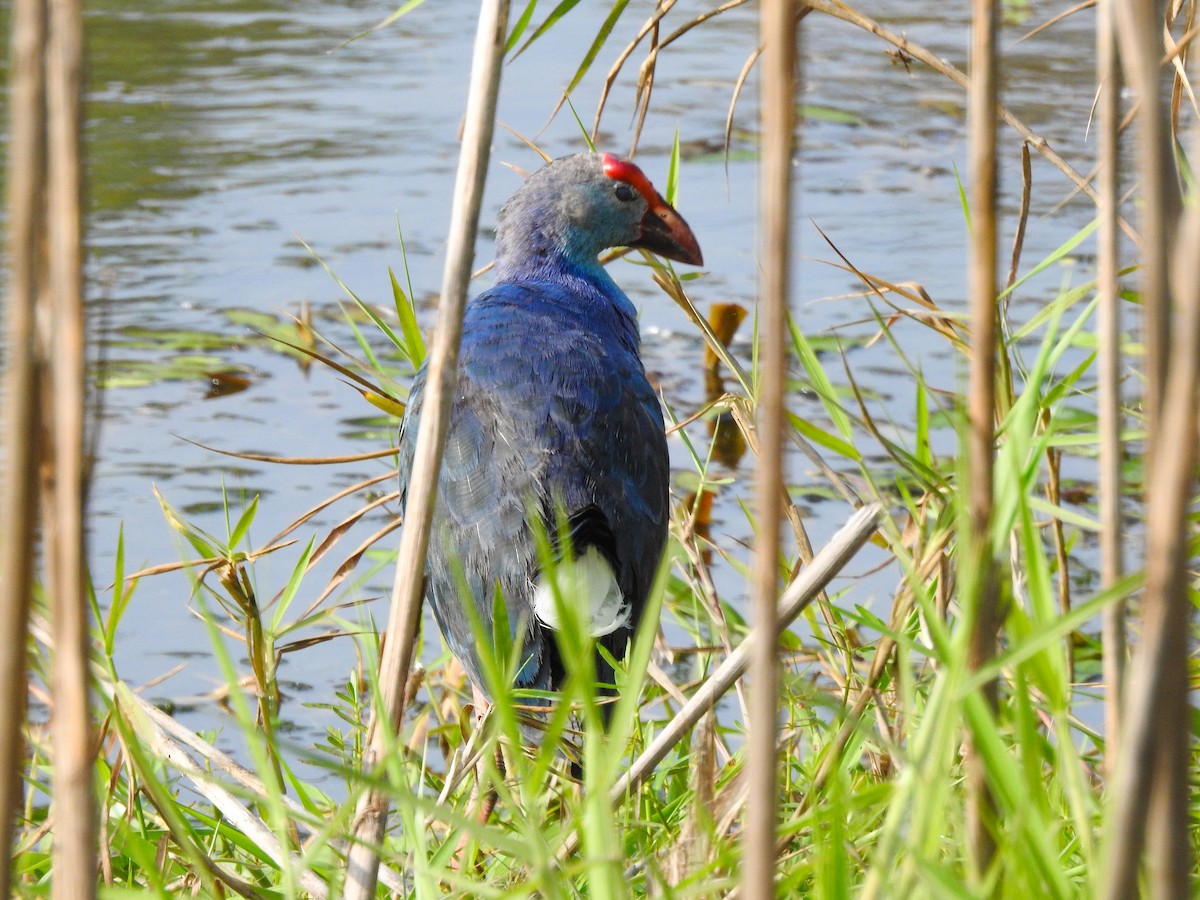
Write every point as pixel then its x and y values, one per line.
pixel 580 205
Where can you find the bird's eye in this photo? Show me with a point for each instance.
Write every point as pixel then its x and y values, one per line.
pixel 625 193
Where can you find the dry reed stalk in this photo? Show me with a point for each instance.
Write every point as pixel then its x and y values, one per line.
pixel 74 795
pixel 1161 682
pixel 692 849
pixel 1112 566
pixel 778 32
pixel 18 503
pixel 1150 786
pixel 1140 24
pixel 362 863
pixel 979 582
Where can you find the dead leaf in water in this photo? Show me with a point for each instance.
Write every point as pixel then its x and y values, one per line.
pixel 224 384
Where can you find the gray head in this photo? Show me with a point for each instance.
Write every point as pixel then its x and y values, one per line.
pixel 575 207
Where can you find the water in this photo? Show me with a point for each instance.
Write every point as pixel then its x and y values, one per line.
pixel 222 134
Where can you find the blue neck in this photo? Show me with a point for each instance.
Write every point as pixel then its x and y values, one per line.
pixel 592 292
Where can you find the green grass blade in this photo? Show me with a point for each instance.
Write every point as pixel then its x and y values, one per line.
pixel 203 542
pixel 238 533
pixel 672 187
pixel 1056 255
pixel 824 438
pixel 121 595
pixel 413 345
pixel 820 381
pixel 519 26
pixel 293 585
pixel 598 42
pixel 587 138
pixel 557 13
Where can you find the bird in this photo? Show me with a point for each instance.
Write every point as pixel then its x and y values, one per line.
pixel 553 423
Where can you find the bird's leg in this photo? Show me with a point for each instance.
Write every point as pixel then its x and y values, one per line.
pixel 487 802
pixel 484 802
pixel 489 799
pixel 481 702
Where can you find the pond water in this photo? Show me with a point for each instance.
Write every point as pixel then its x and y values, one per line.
pixel 222 134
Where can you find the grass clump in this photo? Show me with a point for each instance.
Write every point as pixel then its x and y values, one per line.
pixel 875 699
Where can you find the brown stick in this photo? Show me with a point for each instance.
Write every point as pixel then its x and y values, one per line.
pixel 778 33
pixel 74 851
pixel 371 815
pixel 1151 782
pixel 1140 27
pixel 1108 327
pixel 18 504
pixel 1150 787
pixel 978 582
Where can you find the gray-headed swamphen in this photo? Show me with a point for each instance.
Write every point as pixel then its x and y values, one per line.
pixel 553 415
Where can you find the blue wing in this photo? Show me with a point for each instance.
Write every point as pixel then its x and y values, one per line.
pixel 552 407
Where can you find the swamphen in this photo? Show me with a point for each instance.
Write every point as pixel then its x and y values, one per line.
pixel 553 416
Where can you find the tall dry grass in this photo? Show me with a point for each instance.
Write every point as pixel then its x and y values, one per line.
pixel 977 564
pixel 778 33
pixel 22 385
pixel 407 594
pixel 1150 808
pixel 1108 375
pixel 74 807
pixel 45 420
